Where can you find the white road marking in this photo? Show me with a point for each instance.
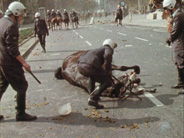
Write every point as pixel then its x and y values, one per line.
pixel 109 30
pixel 142 39
pixel 81 37
pixel 88 43
pixel 153 99
pixel 121 34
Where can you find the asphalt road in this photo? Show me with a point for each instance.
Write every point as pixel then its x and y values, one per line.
pixel 158 115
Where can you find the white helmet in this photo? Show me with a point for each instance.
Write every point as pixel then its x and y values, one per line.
pixel 169 4
pixel 110 43
pixel 37 14
pixel 47 10
pixel 16 8
pixel 64 10
pixel 52 9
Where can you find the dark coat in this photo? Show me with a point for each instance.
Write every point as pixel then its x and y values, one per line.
pixel 119 14
pixel 177 33
pixel 40 27
pixel 97 57
pixel 9 50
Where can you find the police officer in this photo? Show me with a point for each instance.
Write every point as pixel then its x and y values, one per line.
pixel 90 65
pixel 176 37
pixel 119 15
pixel 41 30
pixel 48 14
pixel 58 14
pixel 53 14
pixel 11 62
pixel 74 14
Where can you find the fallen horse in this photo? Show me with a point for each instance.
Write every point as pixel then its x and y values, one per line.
pixel 69 72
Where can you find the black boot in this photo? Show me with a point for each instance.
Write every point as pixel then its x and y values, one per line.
pixel 94 96
pixel 180 79
pixel 21 114
pixel 44 50
pixel 94 103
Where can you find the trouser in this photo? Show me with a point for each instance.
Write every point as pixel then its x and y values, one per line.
pixel 42 40
pixel 180 75
pixel 95 75
pixel 179 61
pixel 15 77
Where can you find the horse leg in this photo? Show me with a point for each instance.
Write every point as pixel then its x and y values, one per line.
pixel 125 68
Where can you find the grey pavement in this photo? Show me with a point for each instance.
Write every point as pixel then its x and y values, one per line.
pixel 137 19
pixel 25 49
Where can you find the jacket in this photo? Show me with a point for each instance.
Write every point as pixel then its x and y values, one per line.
pixel 9 36
pixel 177 33
pixel 40 27
pixel 97 57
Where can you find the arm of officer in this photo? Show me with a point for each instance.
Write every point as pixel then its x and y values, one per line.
pixel 24 63
pixel 108 59
pixel 176 28
pixel 12 36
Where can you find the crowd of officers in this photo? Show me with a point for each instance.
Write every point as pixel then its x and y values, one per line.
pixel 66 15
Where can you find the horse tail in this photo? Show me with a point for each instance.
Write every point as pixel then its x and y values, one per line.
pixel 58 73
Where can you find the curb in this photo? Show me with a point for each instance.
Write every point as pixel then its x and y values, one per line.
pixel 28 51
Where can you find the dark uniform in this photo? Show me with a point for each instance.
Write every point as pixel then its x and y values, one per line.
pixel 48 15
pixel 119 14
pixel 90 65
pixel 177 38
pixel 58 14
pixel 74 14
pixel 11 71
pixel 41 30
pixel 66 17
pixel 53 14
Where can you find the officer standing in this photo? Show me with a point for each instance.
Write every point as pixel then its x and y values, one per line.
pixel 90 65
pixel 176 37
pixel 11 62
pixel 41 30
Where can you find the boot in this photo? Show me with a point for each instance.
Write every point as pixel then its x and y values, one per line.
pixel 25 117
pixel 44 50
pixel 94 103
pixel 94 96
pixel 21 114
pixel 180 79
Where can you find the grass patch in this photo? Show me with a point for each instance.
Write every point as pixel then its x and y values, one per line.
pixel 24 34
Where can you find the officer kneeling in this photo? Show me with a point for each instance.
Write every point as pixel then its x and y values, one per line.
pixel 90 65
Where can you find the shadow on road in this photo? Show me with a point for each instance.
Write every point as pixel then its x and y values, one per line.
pixel 76 119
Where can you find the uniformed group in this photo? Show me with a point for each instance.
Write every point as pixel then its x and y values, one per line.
pixel 65 16
pixel 89 64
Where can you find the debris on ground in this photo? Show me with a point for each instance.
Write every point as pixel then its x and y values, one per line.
pixel 65 109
